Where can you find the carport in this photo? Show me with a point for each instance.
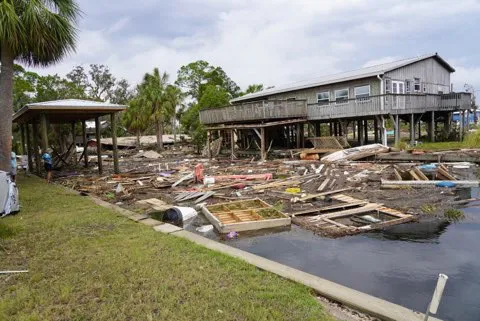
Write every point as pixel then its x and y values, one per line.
pixel 36 116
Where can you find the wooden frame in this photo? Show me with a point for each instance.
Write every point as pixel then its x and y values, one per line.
pixel 243 219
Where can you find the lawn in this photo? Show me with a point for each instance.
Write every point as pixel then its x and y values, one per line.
pixel 86 262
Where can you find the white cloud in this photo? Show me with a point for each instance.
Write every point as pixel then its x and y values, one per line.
pixel 379 61
pixel 270 42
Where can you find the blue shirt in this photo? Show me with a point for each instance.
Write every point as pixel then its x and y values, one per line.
pixel 14 160
pixel 47 158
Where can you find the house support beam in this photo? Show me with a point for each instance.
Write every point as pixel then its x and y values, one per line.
pixel 209 144
pixel 375 130
pixel 99 145
pixel 361 140
pixel 412 129
pixel 232 143
pixel 299 136
pixel 383 130
pixel 113 124
pixel 85 147
pixel 318 131
pixel 44 132
pixel 462 123
pixel 263 155
pixel 29 148
pixel 365 128
pixel 35 147
pixel 431 128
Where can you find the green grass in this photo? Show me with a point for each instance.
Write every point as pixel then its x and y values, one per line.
pixel 86 262
pixel 471 140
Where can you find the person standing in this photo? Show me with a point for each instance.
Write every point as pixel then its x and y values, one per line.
pixel 13 160
pixel 48 163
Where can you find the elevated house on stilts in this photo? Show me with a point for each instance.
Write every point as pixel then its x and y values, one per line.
pixel 415 90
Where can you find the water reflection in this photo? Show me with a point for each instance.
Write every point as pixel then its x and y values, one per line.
pixel 423 231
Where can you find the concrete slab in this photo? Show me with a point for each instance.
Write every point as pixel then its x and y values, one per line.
pixel 139 217
pixel 150 222
pixel 167 228
pixel 360 301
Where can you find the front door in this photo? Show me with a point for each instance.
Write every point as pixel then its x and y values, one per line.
pixel 398 87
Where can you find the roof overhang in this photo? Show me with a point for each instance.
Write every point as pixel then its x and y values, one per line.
pixel 65 111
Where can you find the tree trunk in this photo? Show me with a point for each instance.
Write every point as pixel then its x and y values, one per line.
pixel 159 130
pixel 138 138
pixel 6 106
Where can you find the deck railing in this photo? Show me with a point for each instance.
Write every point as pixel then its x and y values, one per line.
pixel 369 106
pixel 265 109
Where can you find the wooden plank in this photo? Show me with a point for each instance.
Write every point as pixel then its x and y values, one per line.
pixel 323 185
pixel 327 208
pixel 414 175
pixel 308 197
pixel 420 174
pixel 367 208
pixel 337 224
pixel 397 174
pixel 446 174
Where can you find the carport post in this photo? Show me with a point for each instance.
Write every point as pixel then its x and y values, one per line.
pixel 74 136
pixel 113 124
pixel 35 147
pixel 85 147
pixel 44 133
pixel 29 148
pixel 22 133
pixel 99 145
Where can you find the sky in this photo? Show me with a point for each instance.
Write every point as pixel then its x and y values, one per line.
pixel 274 42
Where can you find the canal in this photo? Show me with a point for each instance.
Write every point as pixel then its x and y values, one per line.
pixel 400 264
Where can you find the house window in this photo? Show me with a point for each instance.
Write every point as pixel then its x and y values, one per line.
pixel 323 98
pixel 341 96
pixel 291 98
pixel 408 86
pixel 417 85
pixel 362 93
pixel 388 86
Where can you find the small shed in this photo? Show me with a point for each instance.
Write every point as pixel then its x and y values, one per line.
pixel 67 111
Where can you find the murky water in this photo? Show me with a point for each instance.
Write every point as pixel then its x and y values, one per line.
pixel 400 265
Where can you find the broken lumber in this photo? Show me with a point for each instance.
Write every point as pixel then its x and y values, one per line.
pixel 430 183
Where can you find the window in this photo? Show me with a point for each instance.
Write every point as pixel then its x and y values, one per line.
pixel 417 85
pixel 388 86
pixel 341 96
pixel 291 98
pixel 362 93
pixel 323 98
pixel 408 86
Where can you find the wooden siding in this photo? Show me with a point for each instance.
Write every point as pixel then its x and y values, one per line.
pixel 374 105
pixel 431 73
pixel 310 94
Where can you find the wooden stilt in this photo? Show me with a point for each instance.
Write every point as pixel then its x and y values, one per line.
pixel 35 147
pixel 397 130
pixel 432 127
pixel 113 124
pixel 22 138
pixel 85 147
pixel 299 137
pixel 361 138
pixel 318 131
pixel 29 148
pixel 263 155
pixel 99 145
pixel 419 129
pixel 74 136
pixel 44 132
pixel 375 130
pixel 412 129
pixel 365 128
pixel 462 123
pixel 209 144
pixel 232 143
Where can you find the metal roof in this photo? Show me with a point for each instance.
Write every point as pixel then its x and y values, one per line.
pixel 66 110
pixel 366 72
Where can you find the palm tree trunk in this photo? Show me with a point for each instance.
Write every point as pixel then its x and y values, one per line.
pixel 157 132
pixel 160 127
pixel 138 138
pixel 6 106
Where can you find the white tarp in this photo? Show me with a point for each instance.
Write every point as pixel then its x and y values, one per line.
pixel 9 202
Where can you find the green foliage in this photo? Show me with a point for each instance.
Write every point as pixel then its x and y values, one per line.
pixel 454 215
pixel 428 208
pixel 136 118
pixel 196 76
pixel 38 32
pixel 253 88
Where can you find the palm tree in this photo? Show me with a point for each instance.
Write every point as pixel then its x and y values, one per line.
pixel 174 99
pixel 153 93
pixel 38 33
pixel 136 119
